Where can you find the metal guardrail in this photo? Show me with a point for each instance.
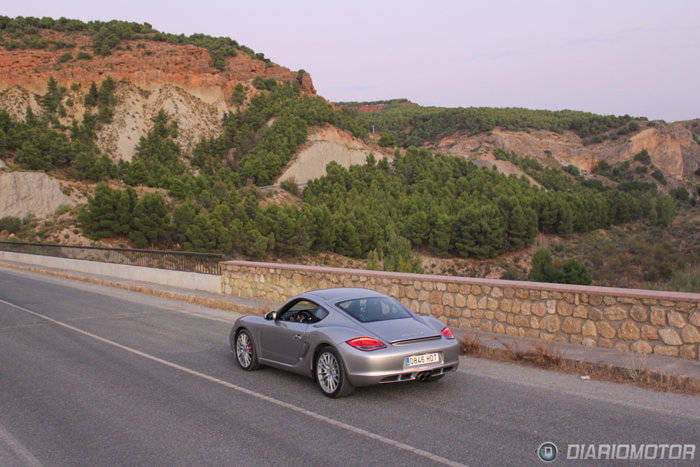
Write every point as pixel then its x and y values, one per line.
pixel 205 263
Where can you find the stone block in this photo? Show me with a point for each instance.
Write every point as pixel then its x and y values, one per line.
pixel 461 301
pixel 572 325
pixel 628 331
pixel 670 336
pixel 676 319
pixel 667 350
pixel 589 329
pixel 605 329
pixel 506 305
pixel 551 323
pixel 522 321
pixel 695 319
pixel 580 311
pixel 615 313
pixel 534 322
pixel 689 351
pixel 448 299
pixel 595 314
pixel 499 328
pixel 609 300
pixel 639 313
pixel 589 341
pixel 508 292
pixel 525 308
pixel 658 316
pixel 690 334
pixel 496 292
pixel 641 347
pixel 522 294
pixel 565 308
pixel 621 346
pixel 551 307
pixel 595 300
pixel 500 316
pixel 452 288
pixel 492 304
pixel 539 309
pixel 649 333
pixel 605 343
pixel 476 290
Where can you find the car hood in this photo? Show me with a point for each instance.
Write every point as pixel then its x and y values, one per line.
pixel 393 330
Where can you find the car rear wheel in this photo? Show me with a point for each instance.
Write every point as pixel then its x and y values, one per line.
pixel 245 351
pixel 330 374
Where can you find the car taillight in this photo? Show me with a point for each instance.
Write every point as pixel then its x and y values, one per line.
pixel 447 332
pixel 366 343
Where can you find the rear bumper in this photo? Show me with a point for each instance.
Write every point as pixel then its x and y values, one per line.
pixel 387 365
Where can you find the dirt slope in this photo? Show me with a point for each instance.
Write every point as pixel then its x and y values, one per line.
pixel 672 148
pixel 326 144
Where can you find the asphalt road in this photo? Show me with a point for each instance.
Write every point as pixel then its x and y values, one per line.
pixel 93 375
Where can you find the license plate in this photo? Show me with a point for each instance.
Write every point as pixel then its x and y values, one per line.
pixel 420 360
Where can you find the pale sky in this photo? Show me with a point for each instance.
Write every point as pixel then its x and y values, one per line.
pixel 633 57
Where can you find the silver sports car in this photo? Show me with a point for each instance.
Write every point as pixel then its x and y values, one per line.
pixel 344 338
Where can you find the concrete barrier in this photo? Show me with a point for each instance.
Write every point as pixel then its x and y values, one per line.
pixel 642 321
pixel 180 279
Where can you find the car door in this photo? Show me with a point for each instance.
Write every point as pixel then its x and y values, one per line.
pixel 284 341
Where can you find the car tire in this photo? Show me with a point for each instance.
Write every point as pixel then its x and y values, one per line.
pixel 243 348
pixel 330 374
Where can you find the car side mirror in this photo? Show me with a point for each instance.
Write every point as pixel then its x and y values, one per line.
pixel 271 316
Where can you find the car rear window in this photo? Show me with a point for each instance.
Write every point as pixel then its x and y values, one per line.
pixel 367 310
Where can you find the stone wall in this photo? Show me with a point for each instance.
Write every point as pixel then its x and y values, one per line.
pixel 643 321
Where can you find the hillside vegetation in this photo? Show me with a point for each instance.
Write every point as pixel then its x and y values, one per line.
pixel 385 214
pixel 23 33
pixel 412 125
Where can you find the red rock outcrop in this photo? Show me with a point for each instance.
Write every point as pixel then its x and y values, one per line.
pixel 187 66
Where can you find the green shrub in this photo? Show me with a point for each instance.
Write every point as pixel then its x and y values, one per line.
pixel 83 56
pixel 680 194
pixel 10 224
pixel 643 157
pixel 65 57
pixel 659 175
pixel 290 186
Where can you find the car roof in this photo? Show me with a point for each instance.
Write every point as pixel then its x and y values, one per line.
pixel 339 294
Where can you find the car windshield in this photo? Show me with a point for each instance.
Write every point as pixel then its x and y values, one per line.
pixel 371 309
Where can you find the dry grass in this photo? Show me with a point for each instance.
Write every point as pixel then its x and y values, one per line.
pixel 471 343
pixel 546 355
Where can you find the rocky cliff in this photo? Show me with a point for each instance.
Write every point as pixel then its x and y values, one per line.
pixel 673 148
pixel 36 193
pixel 151 75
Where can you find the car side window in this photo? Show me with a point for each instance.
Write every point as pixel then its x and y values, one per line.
pixel 303 311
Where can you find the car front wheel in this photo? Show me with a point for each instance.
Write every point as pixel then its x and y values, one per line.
pixel 245 351
pixel 330 374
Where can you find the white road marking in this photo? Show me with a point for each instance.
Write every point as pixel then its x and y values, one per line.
pixel 18 448
pixel 286 405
